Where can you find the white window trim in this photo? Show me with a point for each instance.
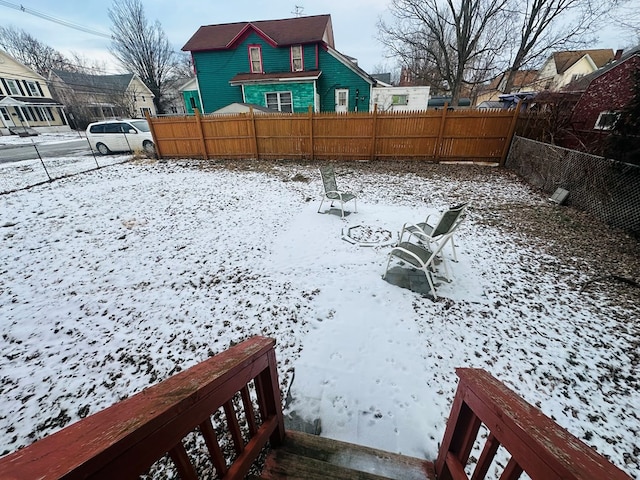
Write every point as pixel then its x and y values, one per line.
pixel 597 126
pixel 33 88
pixel 13 85
pixel 279 97
pixel 293 69
pixel 251 60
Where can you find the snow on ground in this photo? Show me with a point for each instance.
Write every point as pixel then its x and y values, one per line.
pixel 41 138
pixel 115 279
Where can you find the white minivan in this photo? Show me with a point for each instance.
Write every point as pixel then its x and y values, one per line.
pixel 120 136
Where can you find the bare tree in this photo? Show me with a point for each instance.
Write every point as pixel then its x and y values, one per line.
pixel 455 40
pixel 30 51
pixel 627 18
pixel 141 47
pixel 541 26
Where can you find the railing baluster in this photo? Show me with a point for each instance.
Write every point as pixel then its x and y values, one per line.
pixel 512 471
pixel 234 427
pixel 269 400
pixel 138 431
pixel 486 457
pixel 456 469
pixel 181 460
pixel 211 440
pixel 248 410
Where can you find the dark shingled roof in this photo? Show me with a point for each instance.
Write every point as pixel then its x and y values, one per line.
pixel 288 31
pixel 82 82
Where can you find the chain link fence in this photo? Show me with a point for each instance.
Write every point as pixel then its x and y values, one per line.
pixel 26 165
pixel 606 188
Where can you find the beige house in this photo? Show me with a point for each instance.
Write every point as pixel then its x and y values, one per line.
pixel 489 96
pixel 26 104
pixel 562 68
pixel 90 98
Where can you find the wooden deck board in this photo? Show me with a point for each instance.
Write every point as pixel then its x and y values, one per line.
pixel 310 453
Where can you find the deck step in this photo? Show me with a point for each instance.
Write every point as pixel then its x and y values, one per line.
pixel 304 456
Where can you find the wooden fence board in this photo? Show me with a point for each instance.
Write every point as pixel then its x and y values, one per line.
pixel 432 135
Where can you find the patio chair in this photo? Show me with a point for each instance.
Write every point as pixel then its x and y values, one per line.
pixel 331 191
pixel 420 257
pixel 445 227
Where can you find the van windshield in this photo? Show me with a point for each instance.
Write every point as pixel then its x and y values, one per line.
pixel 141 125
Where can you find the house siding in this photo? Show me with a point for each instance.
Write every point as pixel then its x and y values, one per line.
pixel 302 94
pixel 611 91
pixel 42 117
pixel 336 75
pixel 187 95
pixel 215 69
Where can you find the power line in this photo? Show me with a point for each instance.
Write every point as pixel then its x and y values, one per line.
pixel 50 18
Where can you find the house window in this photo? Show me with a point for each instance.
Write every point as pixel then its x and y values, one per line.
pixel 28 114
pixel 606 120
pixel 144 110
pixel 192 101
pixel 48 114
pixel 12 85
pixel 576 76
pixel 400 99
pixel 280 101
pixel 255 59
pixel 297 64
pixel 33 89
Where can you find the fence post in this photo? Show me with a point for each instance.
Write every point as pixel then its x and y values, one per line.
pixel 512 129
pixel 252 116
pixel 438 148
pixel 373 133
pixel 311 130
pixel 153 136
pixel 203 144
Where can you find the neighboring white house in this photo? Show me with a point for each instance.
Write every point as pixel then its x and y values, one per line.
pixel 26 105
pixel 399 99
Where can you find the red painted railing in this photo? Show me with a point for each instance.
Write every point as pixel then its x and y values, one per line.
pixel 124 440
pixel 537 445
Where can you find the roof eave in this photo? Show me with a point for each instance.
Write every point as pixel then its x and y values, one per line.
pixel 272 80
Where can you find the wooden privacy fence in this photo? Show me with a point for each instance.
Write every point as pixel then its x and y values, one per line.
pixel 433 135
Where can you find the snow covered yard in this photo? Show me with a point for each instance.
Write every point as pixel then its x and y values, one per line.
pixel 115 279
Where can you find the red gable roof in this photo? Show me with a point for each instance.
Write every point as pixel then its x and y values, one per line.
pixel 288 31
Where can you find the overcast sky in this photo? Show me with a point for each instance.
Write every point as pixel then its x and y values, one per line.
pixel 354 23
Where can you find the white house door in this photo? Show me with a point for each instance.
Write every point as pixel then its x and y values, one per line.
pixel 6 117
pixel 342 100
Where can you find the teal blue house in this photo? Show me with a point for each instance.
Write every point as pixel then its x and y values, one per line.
pixel 191 97
pixel 286 65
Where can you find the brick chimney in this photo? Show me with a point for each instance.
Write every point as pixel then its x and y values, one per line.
pixel 618 54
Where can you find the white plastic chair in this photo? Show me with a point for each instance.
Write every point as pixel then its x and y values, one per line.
pixel 331 191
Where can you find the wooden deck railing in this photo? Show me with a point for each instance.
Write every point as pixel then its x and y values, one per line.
pixel 537 445
pixel 124 440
